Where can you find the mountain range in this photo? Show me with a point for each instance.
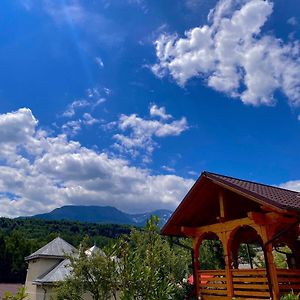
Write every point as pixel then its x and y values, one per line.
pixel 102 214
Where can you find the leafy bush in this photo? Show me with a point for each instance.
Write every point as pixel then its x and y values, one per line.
pixel 290 296
pixel 21 295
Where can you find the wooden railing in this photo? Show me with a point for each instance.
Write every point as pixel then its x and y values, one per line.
pixel 288 280
pixel 213 284
pixel 247 284
pixel 250 284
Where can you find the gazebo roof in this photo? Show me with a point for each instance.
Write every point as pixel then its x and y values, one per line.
pixel 199 207
pixel 279 197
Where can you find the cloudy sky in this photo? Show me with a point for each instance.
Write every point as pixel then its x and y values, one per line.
pixel 126 102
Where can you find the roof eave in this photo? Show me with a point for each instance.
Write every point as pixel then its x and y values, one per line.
pixel 250 195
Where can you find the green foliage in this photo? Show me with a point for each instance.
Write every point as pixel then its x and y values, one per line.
pixel 21 294
pixel 211 255
pixel 95 274
pixel 290 296
pixel 243 255
pixel 149 267
pixel 21 237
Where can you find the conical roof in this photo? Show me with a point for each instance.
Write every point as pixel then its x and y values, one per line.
pixel 57 248
pixel 94 250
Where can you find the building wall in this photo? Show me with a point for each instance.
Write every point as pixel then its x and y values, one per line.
pixel 36 268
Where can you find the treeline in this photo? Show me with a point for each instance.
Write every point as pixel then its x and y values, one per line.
pixel 21 237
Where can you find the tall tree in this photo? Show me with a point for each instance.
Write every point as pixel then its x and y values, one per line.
pixel 95 274
pixel 149 267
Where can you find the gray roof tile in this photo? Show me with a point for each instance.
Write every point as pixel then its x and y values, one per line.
pixel 57 248
pixel 59 273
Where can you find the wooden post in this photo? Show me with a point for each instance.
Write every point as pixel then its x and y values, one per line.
pixel 196 267
pixel 270 266
pixel 227 256
pixel 222 207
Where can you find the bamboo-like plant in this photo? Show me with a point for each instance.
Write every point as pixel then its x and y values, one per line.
pixel 290 296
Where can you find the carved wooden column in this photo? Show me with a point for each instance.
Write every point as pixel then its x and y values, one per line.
pixel 227 256
pixel 196 266
pixel 270 265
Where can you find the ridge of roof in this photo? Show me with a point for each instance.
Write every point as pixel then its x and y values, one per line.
pixel 57 248
pixel 207 173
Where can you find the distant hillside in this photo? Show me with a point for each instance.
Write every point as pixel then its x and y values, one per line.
pixel 102 214
pixel 22 236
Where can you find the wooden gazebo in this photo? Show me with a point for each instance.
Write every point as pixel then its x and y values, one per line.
pixel 237 211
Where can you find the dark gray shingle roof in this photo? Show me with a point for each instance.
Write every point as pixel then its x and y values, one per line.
pixel 59 273
pixel 57 248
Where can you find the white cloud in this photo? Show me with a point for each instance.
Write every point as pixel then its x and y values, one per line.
pixel 293 185
pixel 138 133
pixel 292 21
pixel 99 62
pixel 72 128
pixel 168 169
pixel 89 120
pixel 71 109
pixel 95 95
pixel 93 99
pixel 233 56
pixel 41 172
pixel 159 112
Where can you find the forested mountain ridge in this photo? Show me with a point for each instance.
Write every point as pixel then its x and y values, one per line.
pixel 102 214
pixel 21 237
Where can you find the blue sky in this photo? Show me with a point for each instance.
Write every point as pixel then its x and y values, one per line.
pixel 126 102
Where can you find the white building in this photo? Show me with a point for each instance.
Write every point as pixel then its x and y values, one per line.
pixel 46 267
pixel 49 266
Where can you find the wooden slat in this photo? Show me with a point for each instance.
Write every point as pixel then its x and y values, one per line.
pixel 250 279
pixel 211 297
pixel 289 287
pixel 288 279
pixel 251 286
pixel 288 272
pixel 214 285
pixel 217 279
pixel 247 298
pixel 212 272
pixel 209 292
pixel 260 272
pixel 252 293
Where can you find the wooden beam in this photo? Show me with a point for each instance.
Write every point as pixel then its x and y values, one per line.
pixel 246 195
pixel 218 227
pixel 222 206
pixel 270 218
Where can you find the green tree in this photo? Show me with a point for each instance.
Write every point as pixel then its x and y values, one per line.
pixel 95 274
pixel 211 255
pixel 149 268
pixel 21 295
